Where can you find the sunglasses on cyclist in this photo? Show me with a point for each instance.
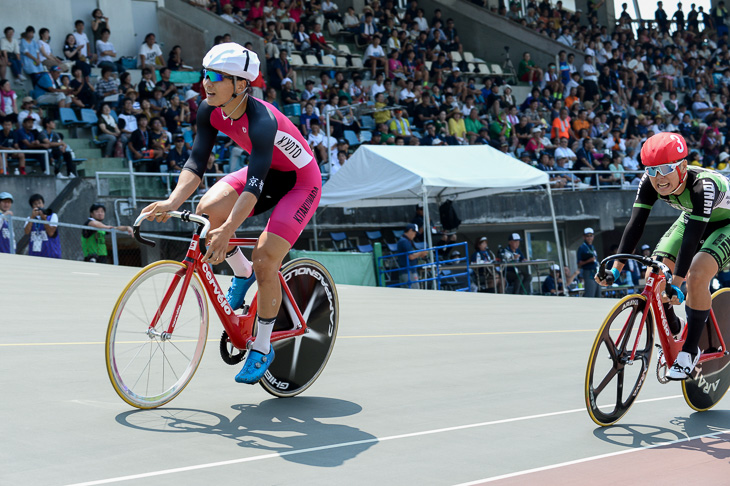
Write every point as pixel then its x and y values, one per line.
pixel 214 76
pixel 664 169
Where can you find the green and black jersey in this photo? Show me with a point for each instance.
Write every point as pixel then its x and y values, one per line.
pixel 705 204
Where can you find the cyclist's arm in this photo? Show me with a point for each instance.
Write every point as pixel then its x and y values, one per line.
pixel 701 191
pixel 194 168
pixel 262 131
pixel 646 196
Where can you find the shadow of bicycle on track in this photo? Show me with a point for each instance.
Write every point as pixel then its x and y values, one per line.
pixel 291 427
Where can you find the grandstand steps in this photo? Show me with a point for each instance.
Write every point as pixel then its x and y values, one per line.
pixel 91 166
pixel 86 152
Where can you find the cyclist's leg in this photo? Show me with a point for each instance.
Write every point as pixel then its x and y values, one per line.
pixel 666 251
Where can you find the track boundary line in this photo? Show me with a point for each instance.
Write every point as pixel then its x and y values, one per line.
pixel 344 444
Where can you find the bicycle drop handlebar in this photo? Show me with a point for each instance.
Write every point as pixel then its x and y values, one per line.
pixel 657 266
pixel 187 216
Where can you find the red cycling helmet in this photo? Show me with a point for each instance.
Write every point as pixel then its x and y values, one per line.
pixel 663 149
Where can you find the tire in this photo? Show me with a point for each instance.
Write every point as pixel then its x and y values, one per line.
pixel 145 370
pixel 299 361
pixel 612 383
pixel 712 382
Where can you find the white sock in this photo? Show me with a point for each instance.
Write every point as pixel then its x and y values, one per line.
pixel 239 263
pixel 262 344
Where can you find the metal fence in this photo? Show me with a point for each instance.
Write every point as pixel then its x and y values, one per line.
pixel 121 248
pixel 431 272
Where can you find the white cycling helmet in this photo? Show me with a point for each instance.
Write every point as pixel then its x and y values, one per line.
pixel 234 59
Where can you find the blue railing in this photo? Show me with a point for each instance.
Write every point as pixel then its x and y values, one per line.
pixel 436 271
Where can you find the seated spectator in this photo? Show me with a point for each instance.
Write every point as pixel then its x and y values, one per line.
pixel 527 71
pixel 52 141
pixel 29 109
pixel 81 90
pixel 301 38
pixel 375 56
pixel 146 86
pixel 608 179
pixel 140 144
pixel 27 139
pixel 150 55
pixel 46 53
pixel 106 51
pixel 158 103
pixel 48 89
pixel 319 142
pixel 178 155
pixel 535 145
pixel 10 55
pixel 474 124
pixel 9 141
pixel 400 125
pixel 30 53
pixel 367 31
pixel 338 163
pixel 168 88
pixel 8 106
pixel 176 114
pixel 457 127
pixel 282 69
pixel 109 132
pixel 564 151
pixel 317 40
pixel 72 51
pixel 175 61
pixel 431 138
pixel 289 95
pixel 106 85
pixel 159 138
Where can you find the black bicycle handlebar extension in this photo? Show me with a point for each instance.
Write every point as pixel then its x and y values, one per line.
pixel 657 266
pixel 144 241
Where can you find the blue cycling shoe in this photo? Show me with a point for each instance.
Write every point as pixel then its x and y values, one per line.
pixel 255 366
pixel 237 292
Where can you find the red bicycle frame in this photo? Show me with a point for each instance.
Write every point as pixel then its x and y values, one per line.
pixel 670 346
pixel 238 327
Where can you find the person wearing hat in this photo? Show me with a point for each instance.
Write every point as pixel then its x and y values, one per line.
pixel 518 278
pixel 93 243
pixel 282 173
pixel 400 125
pixel 534 145
pixel 178 155
pixel 6 203
pixel 408 276
pixel 482 254
pixel 9 141
pixel 30 109
pixel 587 258
pixel 694 247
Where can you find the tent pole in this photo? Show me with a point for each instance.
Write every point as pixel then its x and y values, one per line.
pixel 427 228
pixel 557 237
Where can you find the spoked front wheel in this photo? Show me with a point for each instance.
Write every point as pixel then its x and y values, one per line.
pixel 613 379
pixel 709 386
pixel 300 360
pixel 147 367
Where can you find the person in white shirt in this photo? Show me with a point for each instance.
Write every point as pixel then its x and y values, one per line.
pixel 378 87
pixel 318 142
pixel 421 21
pixel 406 94
pixel 590 77
pixel 150 55
pixel 83 41
pixel 564 151
pixel 46 56
pixel 106 52
pixel 337 163
pixel 375 55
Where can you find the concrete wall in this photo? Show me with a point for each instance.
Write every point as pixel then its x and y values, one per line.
pixel 485 34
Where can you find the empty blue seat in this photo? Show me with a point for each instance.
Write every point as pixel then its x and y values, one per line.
pixel 340 241
pixel 397 234
pixel 88 117
pixel 69 118
pixel 420 245
pixel 365 248
pixel 374 235
pixel 393 247
pixel 351 138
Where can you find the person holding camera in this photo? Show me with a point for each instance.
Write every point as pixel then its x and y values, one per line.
pixel 44 240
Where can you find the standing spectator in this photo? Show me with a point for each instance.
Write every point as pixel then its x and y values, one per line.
pixel 93 243
pixel 106 52
pixel 83 42
pixel 98 25
pixel 110 132
pixel 6 203
pixel 590 78
pixel 661 18
pixel 519 280
pixel 44 238
pixel 52 141
pixel 46 56
pixel 30 52
pixel 150 55
pixel 719 16
pixel 588 264
pixel 9 141
pixel 10 55
pixel 405 244
pixel 374 56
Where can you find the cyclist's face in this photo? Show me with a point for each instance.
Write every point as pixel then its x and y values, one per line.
pixel 221 91
pixel 667 184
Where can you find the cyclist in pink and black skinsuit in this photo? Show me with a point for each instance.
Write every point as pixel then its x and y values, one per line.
pixel 282 173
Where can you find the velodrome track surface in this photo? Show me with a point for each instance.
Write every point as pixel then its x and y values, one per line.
pixel 423 388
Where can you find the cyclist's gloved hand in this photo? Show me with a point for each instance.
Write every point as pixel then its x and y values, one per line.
pixel 673 290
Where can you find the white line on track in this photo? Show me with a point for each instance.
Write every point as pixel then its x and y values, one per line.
pixel 359 442
pixel 588 459
pixel 85 273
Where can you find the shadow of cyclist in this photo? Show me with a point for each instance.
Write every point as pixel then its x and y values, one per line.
pixel 637 435
pixel 713 427
pixel 290 427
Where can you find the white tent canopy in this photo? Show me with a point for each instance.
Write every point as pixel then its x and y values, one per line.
pixel 378 175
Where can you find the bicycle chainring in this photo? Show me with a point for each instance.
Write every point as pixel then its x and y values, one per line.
pixel 662 368
pixel 230 355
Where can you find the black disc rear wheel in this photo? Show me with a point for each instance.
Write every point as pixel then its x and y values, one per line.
pixel 300 360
